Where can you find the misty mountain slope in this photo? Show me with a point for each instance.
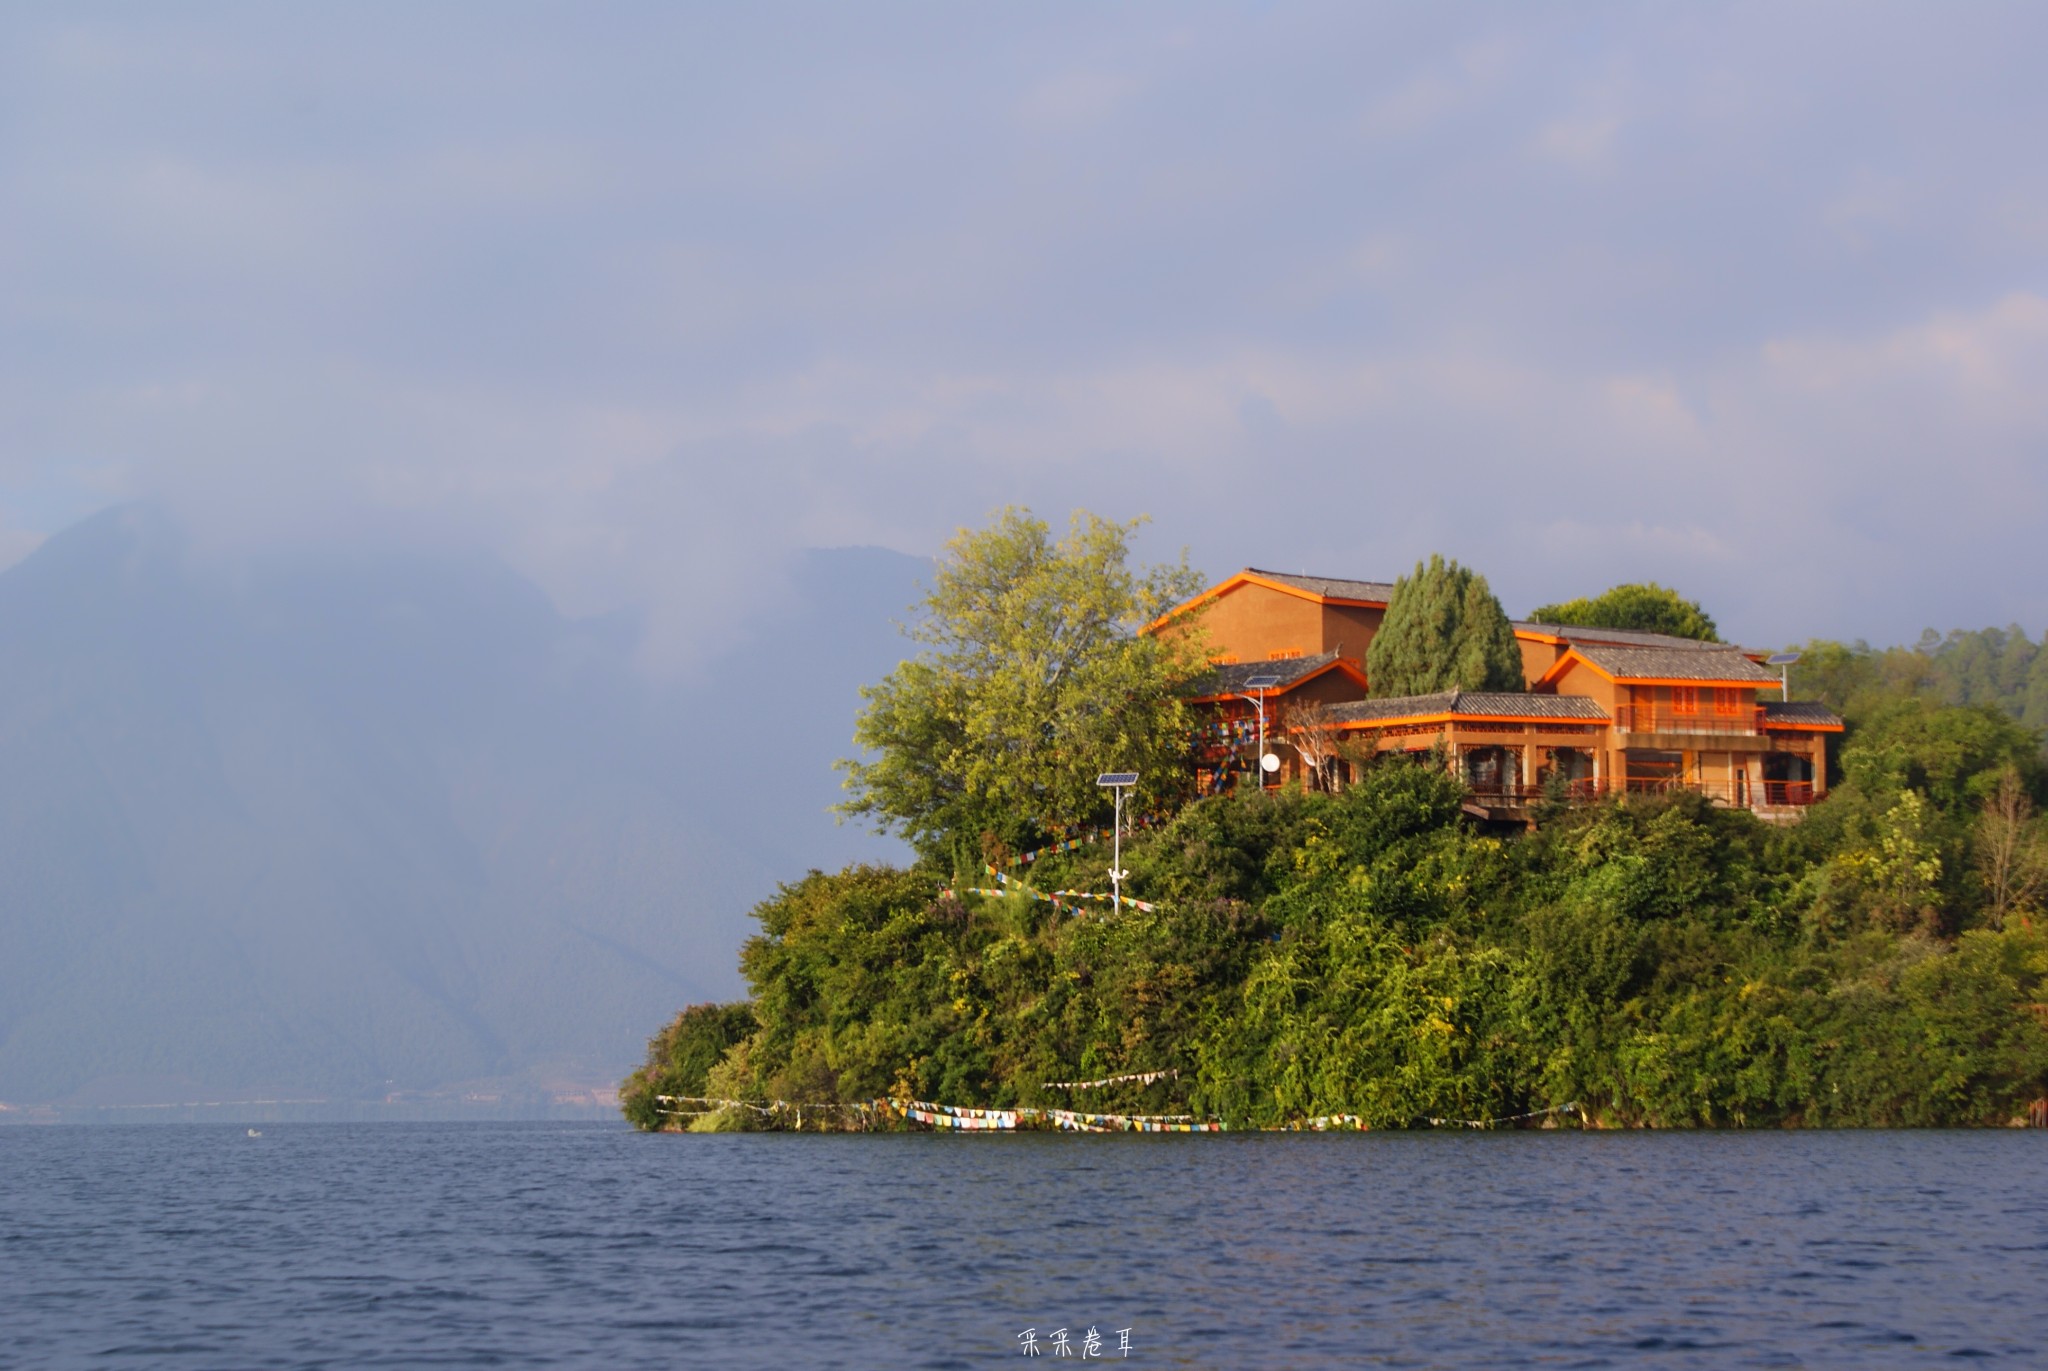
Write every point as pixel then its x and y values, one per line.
pixel 387 824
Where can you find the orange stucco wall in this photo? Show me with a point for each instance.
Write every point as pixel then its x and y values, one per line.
pixel 1537 658
pixel 1580 679
pixel 1330 688
pixel 1347 629
pixel 1252 623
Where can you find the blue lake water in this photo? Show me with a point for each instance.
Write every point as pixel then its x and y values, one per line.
pixel 585 1245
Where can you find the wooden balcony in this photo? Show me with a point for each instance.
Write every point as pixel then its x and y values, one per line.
pixel 1746 723
pixel 1746 795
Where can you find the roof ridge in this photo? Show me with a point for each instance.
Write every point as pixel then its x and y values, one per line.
pixel 1622 637
pixel 1683 663
pixel 1313 576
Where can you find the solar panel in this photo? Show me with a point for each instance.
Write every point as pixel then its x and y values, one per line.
pixel 1117 778
pixel 1261 682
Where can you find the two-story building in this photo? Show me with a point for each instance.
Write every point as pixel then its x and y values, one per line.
pixel 1602 710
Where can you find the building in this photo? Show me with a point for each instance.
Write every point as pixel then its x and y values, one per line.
pixel 1602 711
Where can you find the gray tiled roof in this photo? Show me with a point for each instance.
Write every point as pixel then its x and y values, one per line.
pixel 1472 703
pixel 1333 586
pixel 1228 680
pixel 1620 637
pixel 1674 663
pixel 1808 712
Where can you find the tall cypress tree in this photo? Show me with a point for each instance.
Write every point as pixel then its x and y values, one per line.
pixel 1444 630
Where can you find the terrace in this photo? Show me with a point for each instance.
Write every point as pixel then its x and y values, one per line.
pixel 1766 794
pixel 1717 718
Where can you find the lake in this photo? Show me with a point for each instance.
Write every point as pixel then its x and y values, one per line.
pixel 591 1245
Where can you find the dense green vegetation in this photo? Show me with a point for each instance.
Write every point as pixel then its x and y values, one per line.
pixel 1647 607
pixel 2002 668
pixel 1034 673
pixel 1654 961
pixel 1660 962
pixel 1443 630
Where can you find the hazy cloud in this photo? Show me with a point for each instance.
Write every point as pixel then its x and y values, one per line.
pixel 1748 298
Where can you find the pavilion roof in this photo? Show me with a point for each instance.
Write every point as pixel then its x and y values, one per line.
pixel 1803 713
pixel 1230 678
pixel 1330 587
pixel 1618 637
pixel 1725 664
pixel 1484 704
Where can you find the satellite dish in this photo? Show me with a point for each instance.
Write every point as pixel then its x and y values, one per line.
pixel 1270 762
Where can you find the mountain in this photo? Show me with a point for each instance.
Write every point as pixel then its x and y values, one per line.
pixel 388 826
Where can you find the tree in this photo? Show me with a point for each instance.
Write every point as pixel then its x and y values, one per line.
pixel 1444 630
pixel 1648 608
pixel 1907 865
pixel 1309 726
pixel 1955 755
pixel 1036 679
pixel 680 1059
pixel 2011 860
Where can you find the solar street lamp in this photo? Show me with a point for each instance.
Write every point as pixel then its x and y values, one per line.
pixel 1783 661
pixel 1117 782
pixel 1262 684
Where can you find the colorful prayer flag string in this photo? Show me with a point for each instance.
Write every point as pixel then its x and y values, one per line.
pixel 1059 897
pixel 1141 1077
pixel 1087 836
pixel 968 1118
pixel 1570 1108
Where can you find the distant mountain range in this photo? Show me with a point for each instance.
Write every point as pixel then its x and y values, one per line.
pixel 391 827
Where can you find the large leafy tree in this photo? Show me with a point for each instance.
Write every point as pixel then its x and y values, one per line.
pixel 1444 630
pixel 1035 678
pixel 1647 608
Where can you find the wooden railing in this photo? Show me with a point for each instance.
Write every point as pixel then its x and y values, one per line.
pixel 1741 795
pixel 1663 719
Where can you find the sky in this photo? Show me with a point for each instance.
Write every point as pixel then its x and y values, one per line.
pixel 1748 299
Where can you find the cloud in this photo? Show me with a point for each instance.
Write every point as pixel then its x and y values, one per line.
pixel 1583 144
pixel 1442 89
pixel 647 305
pixel 1075 100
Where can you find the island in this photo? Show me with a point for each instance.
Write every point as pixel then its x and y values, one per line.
pixel 1390 860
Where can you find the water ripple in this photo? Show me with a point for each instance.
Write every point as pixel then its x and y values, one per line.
pixel 577 1245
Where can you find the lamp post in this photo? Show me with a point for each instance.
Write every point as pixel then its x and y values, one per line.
pixel 1783 661
pixel 1262 684
pixel 1117 782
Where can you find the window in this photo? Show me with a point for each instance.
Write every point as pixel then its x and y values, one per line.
pixel 1685 699
pixel 1224 659
pixel 1727 700
pixel 1282 654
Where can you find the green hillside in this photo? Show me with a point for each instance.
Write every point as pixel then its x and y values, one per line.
pixel 1377 954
